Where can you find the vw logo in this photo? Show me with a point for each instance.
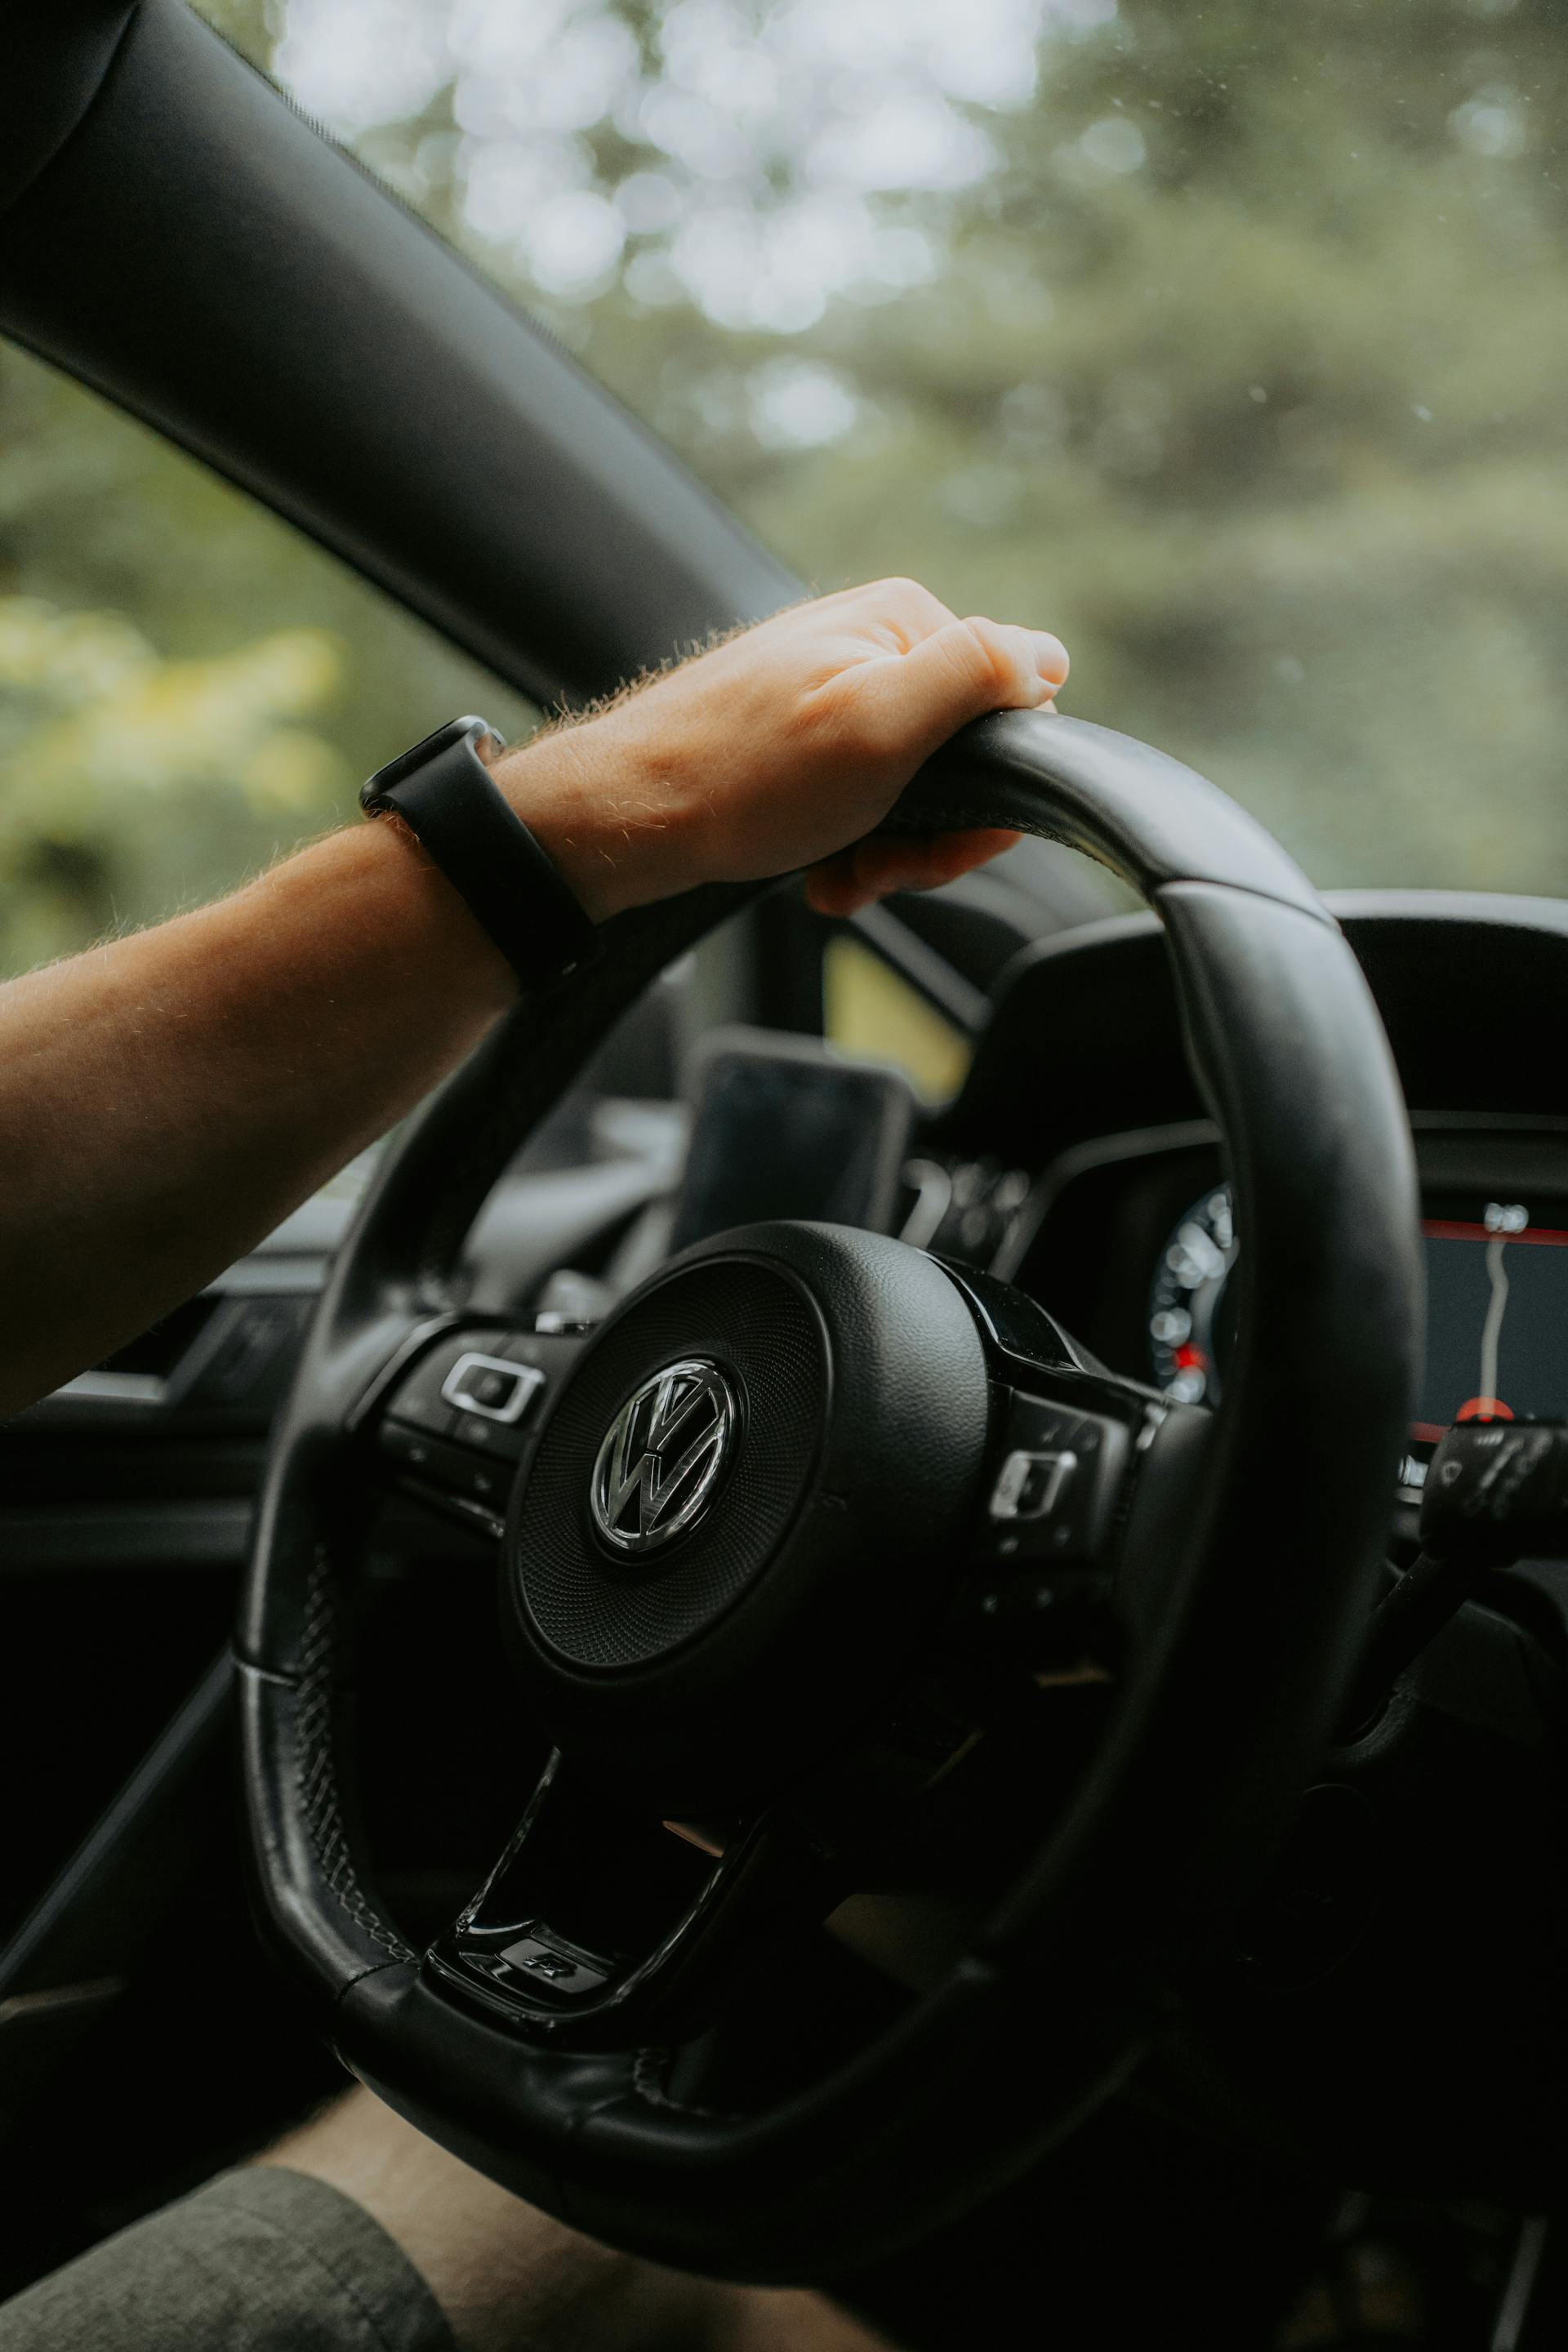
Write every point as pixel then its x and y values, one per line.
pixel 663 1456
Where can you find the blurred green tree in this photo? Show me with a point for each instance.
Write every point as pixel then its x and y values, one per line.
pixel 1235 354
pixel 1244 370
pixel 105 747
pixel 187 686
pixel 1241 363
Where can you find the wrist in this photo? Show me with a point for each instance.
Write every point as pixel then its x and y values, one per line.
pixel 445 788
pixel 414 908
pixel 602 821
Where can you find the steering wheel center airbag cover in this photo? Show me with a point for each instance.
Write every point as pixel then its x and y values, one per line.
pixel 840 1383
pixel 609 1609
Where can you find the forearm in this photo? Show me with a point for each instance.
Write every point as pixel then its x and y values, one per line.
pixel 167 1099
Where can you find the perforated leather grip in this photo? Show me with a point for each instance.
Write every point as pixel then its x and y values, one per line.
pixel 447 796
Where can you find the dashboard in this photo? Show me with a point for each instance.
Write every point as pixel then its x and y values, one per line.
pixel 1134 1243
pixel 1125 1224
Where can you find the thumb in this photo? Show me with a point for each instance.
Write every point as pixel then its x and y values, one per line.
pixel 960 672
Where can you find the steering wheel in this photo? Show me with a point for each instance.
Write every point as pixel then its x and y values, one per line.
pixel 807 1523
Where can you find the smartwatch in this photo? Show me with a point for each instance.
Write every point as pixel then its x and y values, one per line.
pixel 446 795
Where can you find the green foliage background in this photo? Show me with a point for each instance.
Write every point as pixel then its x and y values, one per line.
pixel 186 688
pixel 1269 424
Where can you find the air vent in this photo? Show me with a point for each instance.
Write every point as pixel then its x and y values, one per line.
pixel 225 1351
pixel 154 1353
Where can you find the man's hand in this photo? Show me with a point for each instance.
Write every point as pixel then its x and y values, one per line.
pixel 782 747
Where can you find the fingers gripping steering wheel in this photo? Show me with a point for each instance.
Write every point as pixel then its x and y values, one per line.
pixel 897 1478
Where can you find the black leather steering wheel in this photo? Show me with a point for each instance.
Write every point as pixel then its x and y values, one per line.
pixel 914 1505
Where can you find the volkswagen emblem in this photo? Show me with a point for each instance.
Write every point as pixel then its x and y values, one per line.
pixel 663 1455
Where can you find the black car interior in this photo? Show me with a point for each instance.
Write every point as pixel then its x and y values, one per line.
pixel 985 1857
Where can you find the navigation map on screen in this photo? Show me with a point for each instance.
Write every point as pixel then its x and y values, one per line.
pixel 1496 1336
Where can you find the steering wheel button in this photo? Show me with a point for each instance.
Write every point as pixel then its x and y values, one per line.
pixel 421 1408
pixel 1032 1486
pixel 480 1481
pixel 1043 1428
pixel 490 1387
pixel 414 1448
pixel 542 1964
pixel 504 1440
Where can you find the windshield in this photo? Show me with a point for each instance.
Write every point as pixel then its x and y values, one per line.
pixel 1228 342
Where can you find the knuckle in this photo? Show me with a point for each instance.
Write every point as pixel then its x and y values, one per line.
pixel 910 601
pixel 991 658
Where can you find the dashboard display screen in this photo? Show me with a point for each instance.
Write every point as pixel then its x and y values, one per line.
pixel 1497 1310
pixel 1497 1313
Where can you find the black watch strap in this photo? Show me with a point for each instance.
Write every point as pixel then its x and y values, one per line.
pixel 446 795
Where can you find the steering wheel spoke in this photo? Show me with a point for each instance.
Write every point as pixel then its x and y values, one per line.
pixel 603 1925
pixel 454 1415
pixel 1049 1579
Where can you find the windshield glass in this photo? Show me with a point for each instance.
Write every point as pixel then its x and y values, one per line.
pixel 1228 342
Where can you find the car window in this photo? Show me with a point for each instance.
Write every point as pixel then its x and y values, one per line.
pixel 187 685
pixel 870 1011
pixel 1228 341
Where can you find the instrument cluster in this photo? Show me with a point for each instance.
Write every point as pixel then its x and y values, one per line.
pixel 1136 1245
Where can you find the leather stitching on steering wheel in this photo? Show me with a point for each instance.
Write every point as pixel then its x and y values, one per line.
pixel 650 2070
pixel 320 1797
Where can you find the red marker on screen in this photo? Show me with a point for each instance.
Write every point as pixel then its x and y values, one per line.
pixel 1484 1409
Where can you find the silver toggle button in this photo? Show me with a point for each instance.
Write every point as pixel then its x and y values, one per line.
pixel 1030 1485
pixel 491 1387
